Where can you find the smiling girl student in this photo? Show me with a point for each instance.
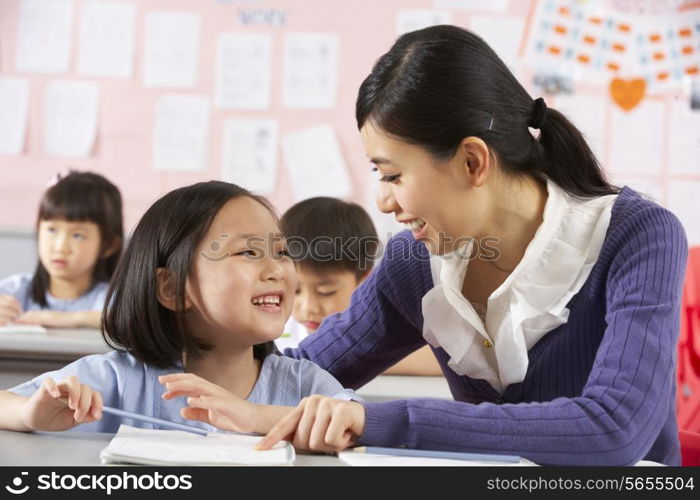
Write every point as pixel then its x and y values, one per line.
pixel 559 346
pixel 79 240
pixel 202 290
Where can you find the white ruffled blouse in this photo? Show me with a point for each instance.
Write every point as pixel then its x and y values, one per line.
pixel 530 303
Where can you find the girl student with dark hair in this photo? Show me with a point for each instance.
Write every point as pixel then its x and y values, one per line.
pixel 201 292
pixel 79 241
pixel 550 298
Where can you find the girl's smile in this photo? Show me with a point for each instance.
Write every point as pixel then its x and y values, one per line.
pixel 269 303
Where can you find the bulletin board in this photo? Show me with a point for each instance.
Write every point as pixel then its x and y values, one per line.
pixel 157 94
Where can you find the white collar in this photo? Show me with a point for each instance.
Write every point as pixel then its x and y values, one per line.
pixel 530 303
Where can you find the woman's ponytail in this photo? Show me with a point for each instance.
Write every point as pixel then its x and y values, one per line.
pixel 564 155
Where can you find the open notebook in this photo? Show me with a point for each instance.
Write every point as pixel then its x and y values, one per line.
pixel 133 445
pixel 20 328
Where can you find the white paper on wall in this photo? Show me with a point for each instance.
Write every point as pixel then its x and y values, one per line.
pixel 70 117
pixel 684 138
pixel 587 113
pixel 683 201
pixel 181 132
pixel 310 70
pixel 315 163
pixel 650 188
pixel 243 71
pixel 636 138
pixel 44 36
pixel 14 103
pixel 473 5
pixel 503 34
pixel 250 154
pixel 172 48
pixel 411 20
pixel 107 39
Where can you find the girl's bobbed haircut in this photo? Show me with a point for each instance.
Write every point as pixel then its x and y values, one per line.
pixel 167 236
pixel 441 84
pixel 83 197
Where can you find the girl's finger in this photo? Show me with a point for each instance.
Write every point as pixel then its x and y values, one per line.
pixel 11 303
pixel 25 318
pixel 84 402
pixel 198 414
pixel 174 377
pixel 49 385
pixel 281 429
pixel 208 403
pixel 96 405
pixel 72 386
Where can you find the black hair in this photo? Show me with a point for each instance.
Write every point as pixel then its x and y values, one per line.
pixel 167 236
pixel 328 234
pixel 441 84
pixel 81 197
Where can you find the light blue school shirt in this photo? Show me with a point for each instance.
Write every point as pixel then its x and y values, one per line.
pixel 20 287
pixel 131 385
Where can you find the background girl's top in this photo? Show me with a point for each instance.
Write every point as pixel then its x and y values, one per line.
pixel 20 287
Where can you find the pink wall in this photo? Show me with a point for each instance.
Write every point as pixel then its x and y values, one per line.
pixel 366 29
pixel 123 151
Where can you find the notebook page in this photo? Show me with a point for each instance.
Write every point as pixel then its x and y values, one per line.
pixel 136 445
pixel 20 328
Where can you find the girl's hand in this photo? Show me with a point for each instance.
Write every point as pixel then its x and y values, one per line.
pixel 49 319
pixel 319 423
pixel 10 308
pixel 209 402
pixel 57 407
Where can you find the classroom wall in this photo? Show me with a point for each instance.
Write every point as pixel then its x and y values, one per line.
pixel 650 141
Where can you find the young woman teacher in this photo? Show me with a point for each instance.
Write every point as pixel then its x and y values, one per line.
pixel 550 298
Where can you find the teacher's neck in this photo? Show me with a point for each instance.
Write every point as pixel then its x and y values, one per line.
pixel 515 212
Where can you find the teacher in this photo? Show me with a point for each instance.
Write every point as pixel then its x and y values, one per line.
pixel 550 298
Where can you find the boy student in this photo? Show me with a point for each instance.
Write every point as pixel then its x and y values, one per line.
pixel 334 245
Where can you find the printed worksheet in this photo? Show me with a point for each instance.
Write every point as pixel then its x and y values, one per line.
pixel 181 132
pixel 250 153
pixel 243 71
pixel 310 70
pixel 14 102
pixel 107 39
pixel 172 49
pixel 315 163
pixel 70 117
pixel 44 36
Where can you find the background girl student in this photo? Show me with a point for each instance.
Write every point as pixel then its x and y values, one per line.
pixel 202 290
pixel 79 240
pixel 334 245
pixel 560 345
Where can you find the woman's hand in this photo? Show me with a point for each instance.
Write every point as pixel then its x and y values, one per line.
pixel 210 403
pixel 60 406
pixel 50 319
pixel 319 423
pixel 10 308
